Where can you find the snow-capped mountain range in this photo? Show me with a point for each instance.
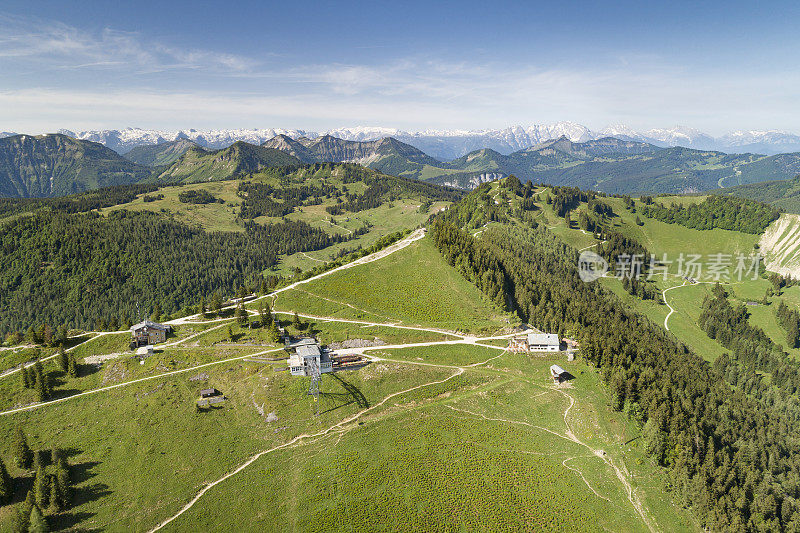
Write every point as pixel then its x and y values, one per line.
pixel 451 144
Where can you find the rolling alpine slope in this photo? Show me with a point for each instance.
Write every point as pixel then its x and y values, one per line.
pixel 431 397
pixel 159 154
pixel 197 164
pixel 57 165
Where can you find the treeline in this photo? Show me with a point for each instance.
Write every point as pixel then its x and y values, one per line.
pixel 725 212
pixel 789 319
pixel 750 346
pixel 735 461
pixel 72 270
pixel 78 203
pixel 565 199
pixel 198 196
pixel 263 199
pixel 371 198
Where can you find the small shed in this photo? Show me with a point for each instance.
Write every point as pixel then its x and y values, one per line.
pixel 208 393
pixel 558 373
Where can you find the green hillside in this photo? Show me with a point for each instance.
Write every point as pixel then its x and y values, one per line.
pixel 158 247
pixel 57 165
pixel 159 154
pixel 198 165
pixel 387 155
pixel 654 356
pixel 622 167
pixel 783 194
pixel 442 424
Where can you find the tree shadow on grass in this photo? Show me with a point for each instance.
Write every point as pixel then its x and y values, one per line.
pixel 80 473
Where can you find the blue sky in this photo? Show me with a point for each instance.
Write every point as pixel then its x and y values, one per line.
pixel 718 66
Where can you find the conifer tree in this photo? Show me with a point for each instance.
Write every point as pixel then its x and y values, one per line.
pixel 296 321
pixel 202 307
pixel 23 457
pixel 22 517
pixel 275 333
pixel 61 335
pixel 25 377
pixel 55 496
pixel 64 481
pixel 63 359
pixel 37 523
pixel 41 387
pixel 72 366
pixel 47 335
pixel 41 488
pixel 6 485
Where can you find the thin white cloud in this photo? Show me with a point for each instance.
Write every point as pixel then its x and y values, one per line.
pixel 106 83
pixel 55 45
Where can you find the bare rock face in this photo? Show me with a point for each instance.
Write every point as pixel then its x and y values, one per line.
pixel 780 245
pixel 356 343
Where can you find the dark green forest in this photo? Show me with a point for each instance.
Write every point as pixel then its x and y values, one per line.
pixel 729 455
pixel 725 212
pixel 75 269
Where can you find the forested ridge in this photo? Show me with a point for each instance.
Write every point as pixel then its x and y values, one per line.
pixel 725 212
pixel 74 269
pixel 732 456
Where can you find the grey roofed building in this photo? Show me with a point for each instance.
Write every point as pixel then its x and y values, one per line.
pixel 150 324
pixel 148 332
pixel 305 350
pixel 558 373
pixel 543 339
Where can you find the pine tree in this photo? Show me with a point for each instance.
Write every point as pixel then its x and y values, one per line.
pixel 72 366
pixel 296 321
pixel 41 488
pixel 64 481
pixel 156 316
pixel 25 377
pixel 38 370
pixel 241 315
pixel 274 332
pixel 47 335
pixel 6 485
pixel 61 335
pixel 230 332
pixel 265 313
pixel 23 457
pixel 38 524
pixel 30 336
pixel 63 359
pixel 55 496
pixel 22 517
pixel 202 307
pixel 41 387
